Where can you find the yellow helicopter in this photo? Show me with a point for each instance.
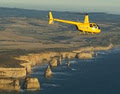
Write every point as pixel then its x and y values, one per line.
pixel 84 27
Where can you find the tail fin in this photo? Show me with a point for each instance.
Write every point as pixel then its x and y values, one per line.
pixel 86 18
pixel 50 18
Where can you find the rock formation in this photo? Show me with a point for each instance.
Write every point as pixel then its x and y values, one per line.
pixel 91 48
pixel 59 60
pixel 68 64
pixel 85 55
pixel 28 69
pixel 33 59
pixel 31 84
pixel 13 72
pixel 9 84
pixel 96 54
pixel 68 55
pixel 48 72
pixel 53 62
pixel 27 66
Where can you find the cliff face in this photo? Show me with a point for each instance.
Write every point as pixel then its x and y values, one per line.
pixel 9 84
pixel 13 72
pixel 33 59
pixel 68 55
pixel 85 55
pixel 97 48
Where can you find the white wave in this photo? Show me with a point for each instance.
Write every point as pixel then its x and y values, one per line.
pixel 39 67
pixel 73 69
pixel 103 53
pixel 117 50
pixel 73 62
pixel 58 79
pixel 54 85
pixel 108 52
pixel 38 73
pixel 21 90
pixel 59 73
pixel 63 66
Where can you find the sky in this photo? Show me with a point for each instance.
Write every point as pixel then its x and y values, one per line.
pixel 109 6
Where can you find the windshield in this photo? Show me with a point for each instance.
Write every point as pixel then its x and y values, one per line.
pixel 98 26
pixel 94 26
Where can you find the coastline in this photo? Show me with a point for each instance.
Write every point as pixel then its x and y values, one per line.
pixel 28 41
pixel 30 60
pixel 27 61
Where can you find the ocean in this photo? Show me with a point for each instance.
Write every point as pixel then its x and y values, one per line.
pixel 100 75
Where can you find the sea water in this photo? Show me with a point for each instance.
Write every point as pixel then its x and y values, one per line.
pixel 100 75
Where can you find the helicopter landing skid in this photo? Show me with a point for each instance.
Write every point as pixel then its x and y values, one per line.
pixel 85 33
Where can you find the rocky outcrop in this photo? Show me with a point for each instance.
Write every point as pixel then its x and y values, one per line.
pixel 34 59
pixel 85 55
pixel 59 60
pixel 91 49
pixel 13 72
pixel 68 55
pixel 48 72
pixel 27 66
pixel 28 69
pixel 101 48
pixel 53 62
pixel 9 84
pixel 31 84
pixel 68 64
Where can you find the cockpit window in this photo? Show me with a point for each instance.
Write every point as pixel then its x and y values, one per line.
pixel 94 26
pixel 98 26
pixel 91 25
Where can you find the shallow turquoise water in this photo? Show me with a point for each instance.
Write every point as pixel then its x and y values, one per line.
pixel 100 75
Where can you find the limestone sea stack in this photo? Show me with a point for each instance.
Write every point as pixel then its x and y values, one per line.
pixel 31 84
pixel 53 62
pixel 28 69
pixel 59 60
pixel 48 72
pixel 68 64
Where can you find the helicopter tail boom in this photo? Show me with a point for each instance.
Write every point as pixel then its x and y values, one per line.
pixel 51 19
